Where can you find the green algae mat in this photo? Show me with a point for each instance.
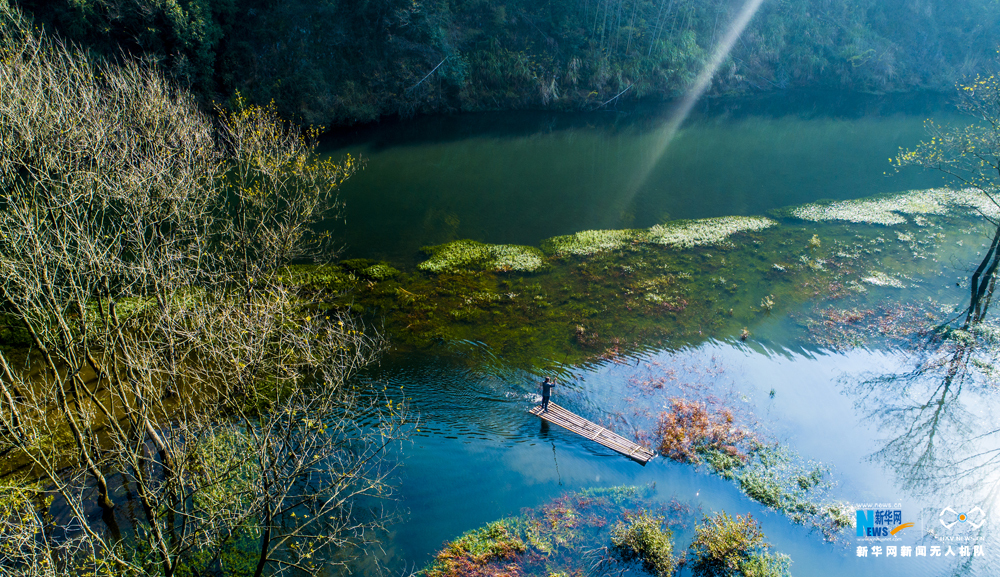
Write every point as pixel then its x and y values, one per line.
pixel 594 295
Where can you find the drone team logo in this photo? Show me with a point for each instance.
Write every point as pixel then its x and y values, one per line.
pixel 949 517
pixel 879 525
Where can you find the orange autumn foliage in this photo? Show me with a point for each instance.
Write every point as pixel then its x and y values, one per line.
pixel 690 427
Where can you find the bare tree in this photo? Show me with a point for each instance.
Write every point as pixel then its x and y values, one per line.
pixel 142 247
pixel 970 156
pixel 935 443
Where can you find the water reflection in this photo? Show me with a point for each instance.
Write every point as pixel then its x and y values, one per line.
pixel 937 417
pixel 521 178
pixel 479 456
pixel 935 420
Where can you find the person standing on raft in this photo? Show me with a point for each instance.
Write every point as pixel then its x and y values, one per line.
pixel 547 385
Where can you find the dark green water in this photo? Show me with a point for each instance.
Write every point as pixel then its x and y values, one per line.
pixel 520 178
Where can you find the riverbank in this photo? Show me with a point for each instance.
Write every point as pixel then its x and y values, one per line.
pixel 357 64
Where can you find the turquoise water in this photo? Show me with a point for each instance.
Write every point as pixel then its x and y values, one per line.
pixel 478 455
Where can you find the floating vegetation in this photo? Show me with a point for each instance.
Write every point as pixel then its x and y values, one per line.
pixel 369 269
pixel 846 328
pixel 320 277
pixel 627 294
pixel 840 515
pixel 879 278
pixel 678 234
pixel 690 430
pixel 588 242
pixel 776 477
pixel 643 539
pixel 729 547
pixel 482 297
pixel 607 531
pixel 889 210
pixel 568 535
pixel 379 271
pixel 662 291
pixel 461 255
pixel 689 233
pixel 701 428
pixel 474 552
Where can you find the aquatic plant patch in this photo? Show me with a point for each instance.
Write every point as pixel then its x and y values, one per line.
pixel 678 234
pixel 844 328
pixel 879 278
pixel 873 211
pixel 490 550
pixel 706 231
pixel 330 277
pixel 642 539
pixel 706 423
pixel 618 527
pixel 889 210
pixel 770 474
pixel 725 546
pixel 688 430
pixel 462 255
pixel 610 531
pixel 779 478
pixel 369 269
pixel 589 242
pixel 598 296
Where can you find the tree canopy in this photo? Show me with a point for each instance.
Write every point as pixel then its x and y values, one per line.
pixel 169 370
pixel 329 62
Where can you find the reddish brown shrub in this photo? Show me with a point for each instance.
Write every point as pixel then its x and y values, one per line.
pixel 689 427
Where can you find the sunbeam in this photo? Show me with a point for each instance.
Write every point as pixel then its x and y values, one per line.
pixel 665 135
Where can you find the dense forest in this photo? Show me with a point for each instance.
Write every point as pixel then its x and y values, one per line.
pixel 328 62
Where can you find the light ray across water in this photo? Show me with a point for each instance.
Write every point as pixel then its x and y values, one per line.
pixel 666 134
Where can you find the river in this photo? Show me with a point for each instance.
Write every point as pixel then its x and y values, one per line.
pixel 840 393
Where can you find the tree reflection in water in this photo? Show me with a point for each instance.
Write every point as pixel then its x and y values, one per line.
pixel 937 417
pixel 941 435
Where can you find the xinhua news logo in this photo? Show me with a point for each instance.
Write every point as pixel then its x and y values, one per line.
pixel 880 522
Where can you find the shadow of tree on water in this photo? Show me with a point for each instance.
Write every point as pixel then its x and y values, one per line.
pixel 937 418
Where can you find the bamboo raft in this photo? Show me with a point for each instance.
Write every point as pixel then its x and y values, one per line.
pixel 575 423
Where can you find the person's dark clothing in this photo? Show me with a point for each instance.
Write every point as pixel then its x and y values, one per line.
pixel 546 392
